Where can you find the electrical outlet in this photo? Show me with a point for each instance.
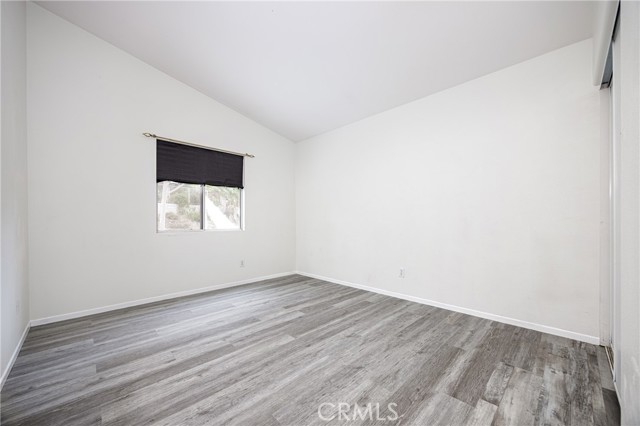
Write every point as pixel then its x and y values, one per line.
pixel 242 263
pixel 401 273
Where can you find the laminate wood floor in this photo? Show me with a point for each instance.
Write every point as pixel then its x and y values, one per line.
pixel 283 351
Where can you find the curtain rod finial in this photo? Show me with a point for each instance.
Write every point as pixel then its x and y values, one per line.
pixel 149 135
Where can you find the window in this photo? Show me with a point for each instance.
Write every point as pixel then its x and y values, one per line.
pixel 197 188
pixel 181 207
pixel 222 207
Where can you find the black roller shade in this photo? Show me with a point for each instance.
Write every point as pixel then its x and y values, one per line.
pixel 188 164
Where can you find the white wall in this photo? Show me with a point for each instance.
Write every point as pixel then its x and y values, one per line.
pixel 13 178
pixel 488 194
pixel 626 82
pixel 92 203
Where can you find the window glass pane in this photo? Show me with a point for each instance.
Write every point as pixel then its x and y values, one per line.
pixel 178 206
pixel 222 207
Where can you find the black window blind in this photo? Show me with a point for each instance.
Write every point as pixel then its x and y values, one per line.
pixel 189 164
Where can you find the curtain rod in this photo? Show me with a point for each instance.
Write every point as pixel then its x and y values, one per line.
pixel 151 135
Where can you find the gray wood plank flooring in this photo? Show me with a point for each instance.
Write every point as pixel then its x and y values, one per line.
pixel 278 351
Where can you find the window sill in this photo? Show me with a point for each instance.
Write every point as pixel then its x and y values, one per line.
pixel 197 231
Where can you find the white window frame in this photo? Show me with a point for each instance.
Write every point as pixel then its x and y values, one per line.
pixel 202 215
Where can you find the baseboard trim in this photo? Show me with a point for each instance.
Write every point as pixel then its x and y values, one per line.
pixel 506 320
pixel 93 311
pixel 14 356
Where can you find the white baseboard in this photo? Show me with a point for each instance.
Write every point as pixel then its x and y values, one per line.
pixel 14 356
pixel 512 321
pixel 93 311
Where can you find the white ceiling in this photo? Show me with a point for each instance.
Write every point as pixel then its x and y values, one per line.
pixel 305 68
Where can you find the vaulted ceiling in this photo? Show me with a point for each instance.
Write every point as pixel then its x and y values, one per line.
pixel 305 68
